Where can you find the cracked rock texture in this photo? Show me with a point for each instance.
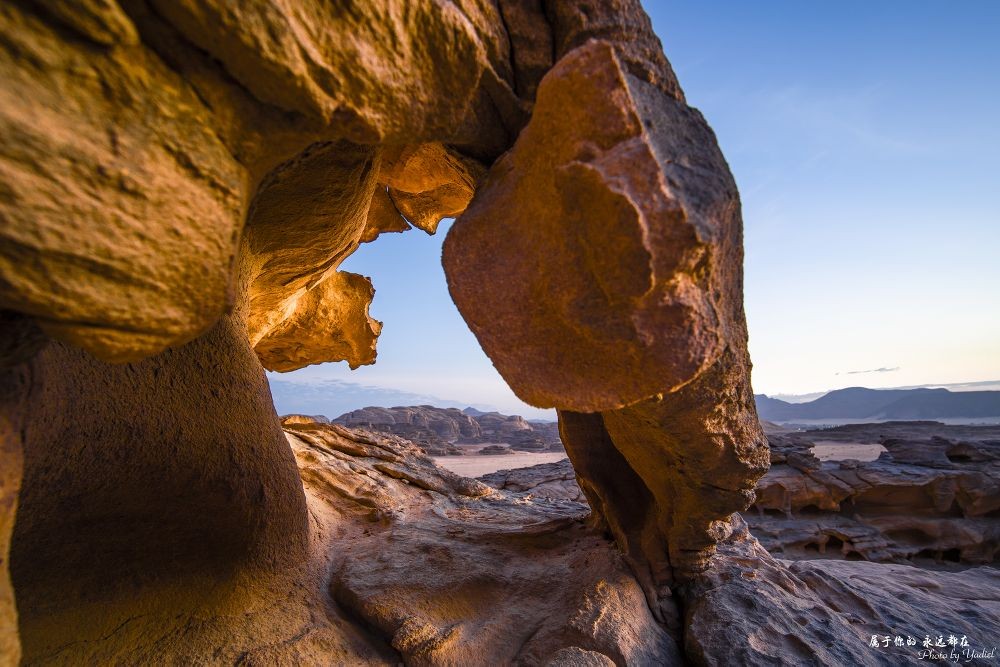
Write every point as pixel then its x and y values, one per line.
pixel 629 232
pixel 750 608
pixel 502 579
pixel 924 498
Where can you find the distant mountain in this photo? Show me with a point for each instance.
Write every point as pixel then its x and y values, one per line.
pixel 334 396
pixel 862 404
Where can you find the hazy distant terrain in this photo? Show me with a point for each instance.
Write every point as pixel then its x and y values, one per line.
pixel 452 432
pixel 859 404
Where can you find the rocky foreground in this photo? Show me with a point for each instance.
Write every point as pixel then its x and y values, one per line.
pixel 926 500
pixel 451 571
pixel 526 576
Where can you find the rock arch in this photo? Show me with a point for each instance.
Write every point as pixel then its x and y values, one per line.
pixel 181 182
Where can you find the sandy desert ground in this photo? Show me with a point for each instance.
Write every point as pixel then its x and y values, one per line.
pixel 475 465
pixel 831 450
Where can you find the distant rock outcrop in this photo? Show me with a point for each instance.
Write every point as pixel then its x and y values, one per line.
pixel 815 606
pixel 924 500
pixel 545 480
pixel 439 428
pixel 861 404
pixel 304 419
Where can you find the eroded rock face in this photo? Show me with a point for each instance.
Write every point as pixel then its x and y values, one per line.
pixel 181 181
pixel 127 516
pixel 545 480
pixel 111 172
pixel 630 229
pixel 157 122
pixel 308 216
pixel 923 498
pixel 501 581
pixel 596 232
pixel 330 322
pixel 914 505
pixel 428 182
pixel 749 608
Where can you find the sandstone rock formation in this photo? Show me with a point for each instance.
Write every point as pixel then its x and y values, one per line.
pixel 629 232
pixel 544 480
pixel 922 499
pixel 486 561
pixel 145 487
pixel 927 502
pixel 752 609
pixel 180 182
pixel 437 428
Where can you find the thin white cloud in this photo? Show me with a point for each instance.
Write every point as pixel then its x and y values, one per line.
pixel 873 370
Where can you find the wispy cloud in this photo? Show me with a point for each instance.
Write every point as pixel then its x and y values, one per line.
pixel 872 370
pixel 854 115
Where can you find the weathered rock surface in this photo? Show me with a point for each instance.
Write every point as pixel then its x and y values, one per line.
pixel 153 504
pixel 544 480
pixel 383 217
pixel 647 186
pixel 164 163
pixel 923 502
pixel 308 215
pixel 330 322
pixel 502 579
pixel 922 499
pixel 428 182
pixel 751 609
pixel 593 237
pixel 111 171
pixel 162 125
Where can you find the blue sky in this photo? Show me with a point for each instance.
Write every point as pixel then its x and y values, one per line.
pixel 865 139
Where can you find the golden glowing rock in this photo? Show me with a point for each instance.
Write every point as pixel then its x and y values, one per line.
pixel 330 322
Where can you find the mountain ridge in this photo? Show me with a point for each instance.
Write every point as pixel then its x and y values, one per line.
pixel 864 404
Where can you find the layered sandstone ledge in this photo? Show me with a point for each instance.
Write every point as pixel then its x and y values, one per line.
pixel 925 500
pixel 180 183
